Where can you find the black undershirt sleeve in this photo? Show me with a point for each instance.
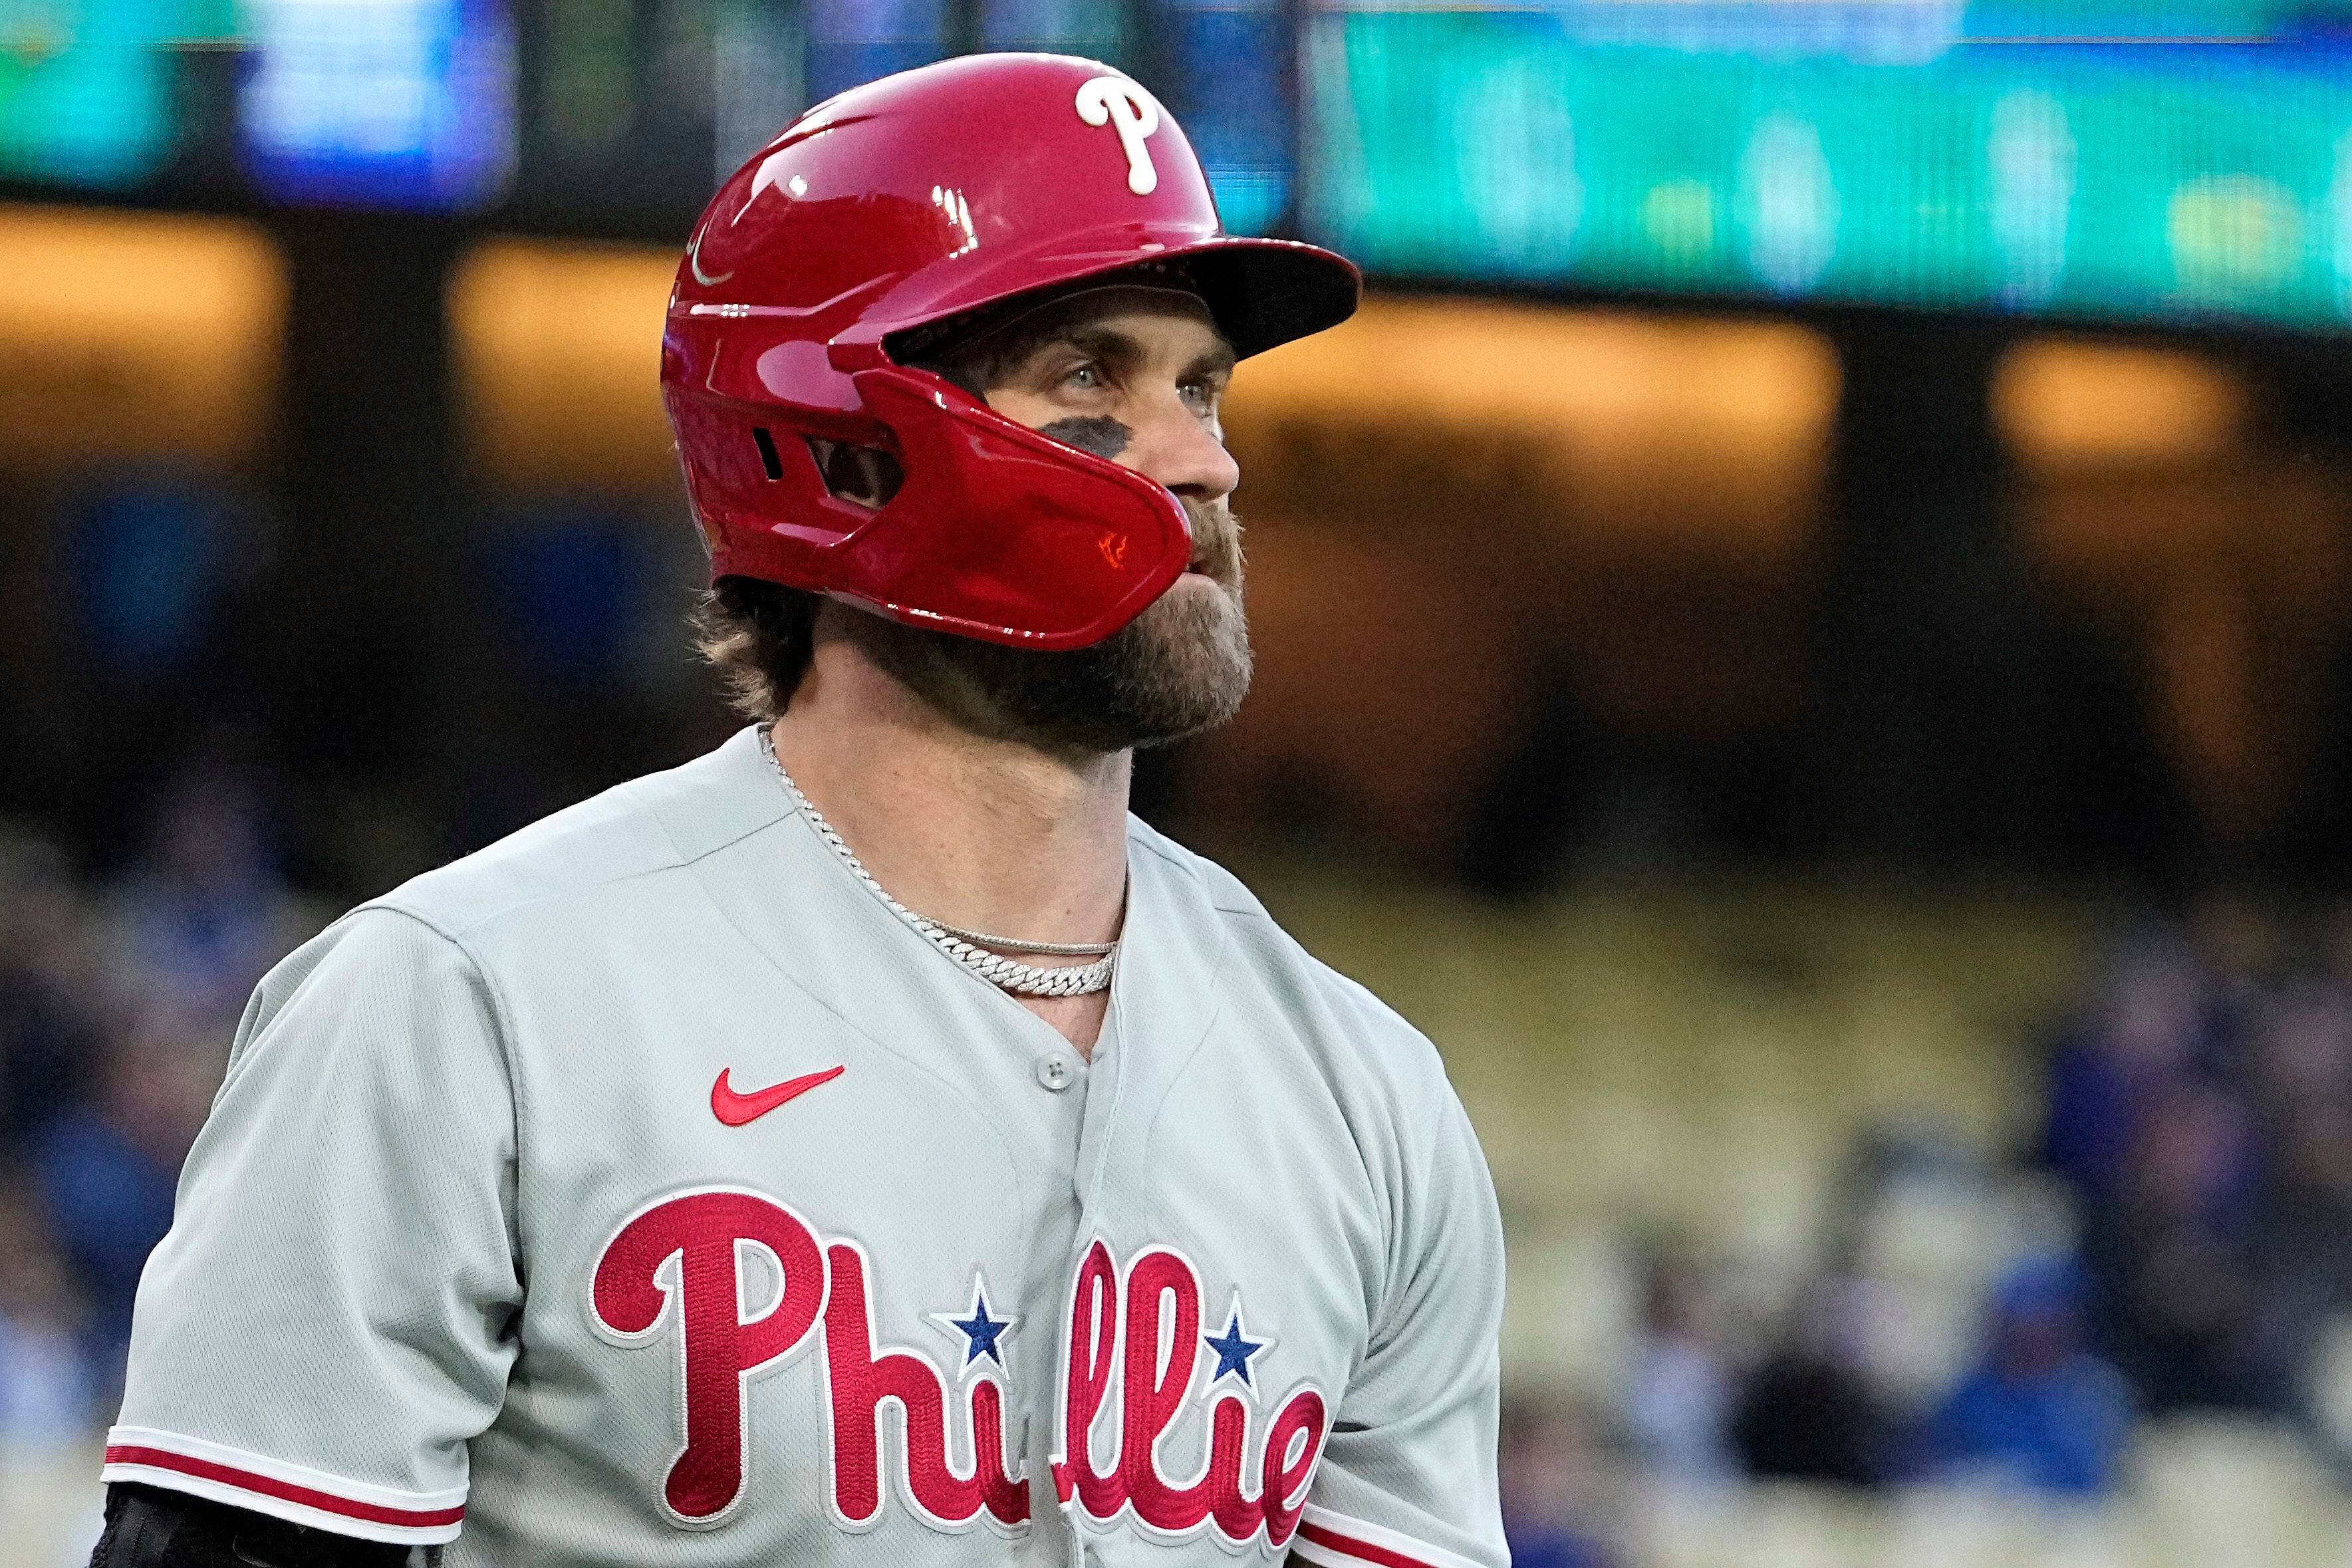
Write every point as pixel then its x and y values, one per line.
pixel 151 1527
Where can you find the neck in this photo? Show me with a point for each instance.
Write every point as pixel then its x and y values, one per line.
pixel 989 833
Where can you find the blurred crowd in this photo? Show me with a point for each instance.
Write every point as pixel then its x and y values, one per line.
pixel 119 992
pixel 2172 1237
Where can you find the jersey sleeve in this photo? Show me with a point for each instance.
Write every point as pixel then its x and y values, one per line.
pixel 327 1324
pixel 1408 1474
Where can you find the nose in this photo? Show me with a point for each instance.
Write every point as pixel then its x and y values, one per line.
pixel 1176 446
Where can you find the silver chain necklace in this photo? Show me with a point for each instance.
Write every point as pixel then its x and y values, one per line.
pixel 966 947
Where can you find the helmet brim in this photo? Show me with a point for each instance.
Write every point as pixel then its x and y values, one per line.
pixel 1261 293
pixel 1265 293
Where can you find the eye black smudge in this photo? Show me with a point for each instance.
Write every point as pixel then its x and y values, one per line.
pixel 1098 433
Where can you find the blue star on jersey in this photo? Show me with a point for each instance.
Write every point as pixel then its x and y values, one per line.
pixel 983 1332
pixel 981 1329
pixel 1234 1347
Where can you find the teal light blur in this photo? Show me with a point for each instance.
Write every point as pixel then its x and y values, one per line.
pixel 1863 156
pixel 87 86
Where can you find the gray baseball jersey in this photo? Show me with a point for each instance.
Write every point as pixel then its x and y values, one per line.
pixel 641 1189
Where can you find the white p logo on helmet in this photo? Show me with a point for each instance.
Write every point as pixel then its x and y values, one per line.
pixel 1115 101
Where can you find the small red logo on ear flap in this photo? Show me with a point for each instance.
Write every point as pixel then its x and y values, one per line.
pixel 1114 549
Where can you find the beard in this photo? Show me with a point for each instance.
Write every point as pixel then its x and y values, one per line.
pixel 1179 668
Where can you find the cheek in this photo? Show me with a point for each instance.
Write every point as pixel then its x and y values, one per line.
pixel 1103 436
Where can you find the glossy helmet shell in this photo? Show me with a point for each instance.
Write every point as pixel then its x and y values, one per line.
pixel 903 205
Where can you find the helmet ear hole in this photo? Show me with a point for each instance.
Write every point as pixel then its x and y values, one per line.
pixel 863 476
pixel 769 461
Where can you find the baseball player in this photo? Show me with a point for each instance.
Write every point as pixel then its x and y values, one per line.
pixel 866 1143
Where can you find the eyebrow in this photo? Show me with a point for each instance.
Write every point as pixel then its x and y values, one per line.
pixel 1218 360
pixel 1100 342
pixel 1118 348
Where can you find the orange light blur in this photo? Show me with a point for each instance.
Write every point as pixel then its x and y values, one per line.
pixel 1650 422
pixel 2067 404
pixel 558 352
pixel 125 336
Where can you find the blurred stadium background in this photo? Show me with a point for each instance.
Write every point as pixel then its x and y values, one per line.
pixel 1803 637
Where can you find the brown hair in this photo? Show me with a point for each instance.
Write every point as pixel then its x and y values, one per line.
pixel 757 636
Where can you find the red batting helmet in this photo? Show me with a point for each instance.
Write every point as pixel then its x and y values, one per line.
pixel 906 203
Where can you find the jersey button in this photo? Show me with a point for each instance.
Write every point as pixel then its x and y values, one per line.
pixel 1055 1072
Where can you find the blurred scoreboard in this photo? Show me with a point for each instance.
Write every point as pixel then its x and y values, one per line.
pixel 2176 159
pixel 2179 159
pixel 373 102
pixel 596 115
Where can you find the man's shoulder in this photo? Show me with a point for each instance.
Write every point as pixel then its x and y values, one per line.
pixel 1330 1008
pixel 654 823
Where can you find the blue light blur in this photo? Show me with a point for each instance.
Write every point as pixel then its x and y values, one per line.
pixel 380 103
pixel 1231 87
pixel 149 562
pixel 855 41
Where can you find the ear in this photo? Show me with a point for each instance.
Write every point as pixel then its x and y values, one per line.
pixel 868 475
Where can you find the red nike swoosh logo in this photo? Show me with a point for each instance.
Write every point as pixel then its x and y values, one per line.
pixel 735 1110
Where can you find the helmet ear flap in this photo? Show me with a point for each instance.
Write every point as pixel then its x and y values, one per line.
pixel 962 380
pixel 924 498
pixel 1040 546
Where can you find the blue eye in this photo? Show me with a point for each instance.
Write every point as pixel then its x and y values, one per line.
pixel 1092 374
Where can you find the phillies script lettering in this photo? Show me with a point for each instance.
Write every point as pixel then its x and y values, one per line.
pixel 687 1252
pixel 1137 1333
pixel 680 1266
